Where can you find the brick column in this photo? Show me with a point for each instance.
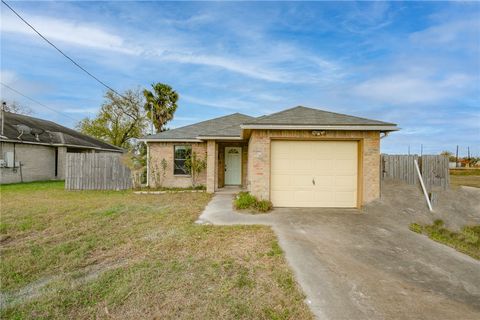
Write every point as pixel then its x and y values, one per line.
pixel 212 155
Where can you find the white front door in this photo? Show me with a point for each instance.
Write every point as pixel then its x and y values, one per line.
pixel 233 165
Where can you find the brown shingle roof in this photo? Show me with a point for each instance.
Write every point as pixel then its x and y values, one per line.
pixel 226 126
pixel 308 116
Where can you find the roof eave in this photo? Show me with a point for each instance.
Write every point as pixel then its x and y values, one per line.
pixel 60 145
pixel 169 140
pixel 220 137
pixel 321 127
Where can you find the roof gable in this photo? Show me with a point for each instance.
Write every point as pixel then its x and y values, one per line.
pixel 300 115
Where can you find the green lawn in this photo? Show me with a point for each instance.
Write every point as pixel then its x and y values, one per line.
pixel 83 255
pixel 465 177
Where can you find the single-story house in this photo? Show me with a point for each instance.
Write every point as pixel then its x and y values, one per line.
pixel 33 149
pixel 300 157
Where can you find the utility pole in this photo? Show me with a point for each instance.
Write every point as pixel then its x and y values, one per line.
pixel 456 158
pixel 421 150
pixel 408 149
pixel 468 148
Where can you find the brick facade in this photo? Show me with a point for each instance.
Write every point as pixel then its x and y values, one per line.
pixel 256 160
pixel 259 158
pixel 37 162
pixel 165 150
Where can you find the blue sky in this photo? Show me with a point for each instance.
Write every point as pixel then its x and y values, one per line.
pixel 413 63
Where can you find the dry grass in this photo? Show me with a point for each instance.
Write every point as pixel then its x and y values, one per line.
pixel 465 177
pixel 466 241
pixel 83 255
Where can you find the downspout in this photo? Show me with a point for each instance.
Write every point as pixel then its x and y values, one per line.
pixel 423 186
pixel 385 134
pixel 148 164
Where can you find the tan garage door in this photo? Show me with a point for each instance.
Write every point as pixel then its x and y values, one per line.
pixel 314 173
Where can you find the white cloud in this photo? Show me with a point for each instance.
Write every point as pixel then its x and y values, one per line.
pixel 449 33
pixel 405 88
pixel 245 67
pixel 229 104
pixel 269 60
pixel 74 33
pixel 81 110
pixel 368 17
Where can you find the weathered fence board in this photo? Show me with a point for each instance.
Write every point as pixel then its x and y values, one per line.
pixel 96 171
pixel 434 169
pixel 399 167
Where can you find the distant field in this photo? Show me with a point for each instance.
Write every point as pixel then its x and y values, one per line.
pixel 465 177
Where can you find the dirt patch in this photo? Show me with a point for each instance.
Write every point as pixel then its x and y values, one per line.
pixel 457 207
pixel 37 288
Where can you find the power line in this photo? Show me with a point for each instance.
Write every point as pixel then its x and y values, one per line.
pixel 39 103
pixel 61 52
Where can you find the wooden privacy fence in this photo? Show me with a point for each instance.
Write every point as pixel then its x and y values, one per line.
pixel 434 169
pixel 96 171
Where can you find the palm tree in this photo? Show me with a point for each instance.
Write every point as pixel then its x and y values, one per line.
pixel 162 102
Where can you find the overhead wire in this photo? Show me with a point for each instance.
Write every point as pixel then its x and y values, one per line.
pixel 61 52
pixel 37 102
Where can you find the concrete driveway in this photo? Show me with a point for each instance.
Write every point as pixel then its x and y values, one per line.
pixel 368 265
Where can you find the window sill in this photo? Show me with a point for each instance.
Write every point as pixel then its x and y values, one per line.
pixel 182 175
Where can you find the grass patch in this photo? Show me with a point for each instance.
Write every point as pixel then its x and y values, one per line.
pixel 245 201
pixel 465 172
pixel 466 241
pixel 465 177
pixel 114 254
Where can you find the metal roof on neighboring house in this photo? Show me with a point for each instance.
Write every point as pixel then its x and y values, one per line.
pixel 20 128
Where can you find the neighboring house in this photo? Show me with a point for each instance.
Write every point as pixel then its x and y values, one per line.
pixel 300 157
pixel 33 149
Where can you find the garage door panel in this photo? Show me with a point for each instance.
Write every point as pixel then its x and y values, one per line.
pixel 345 182
pixel 301 181
pixel 331 164
pixel 282 164
pixel 322 166
pixel 324 181
pixel 344 167
pixel 281 180
pixel 325 197
pixel 345 198
pixel 304 196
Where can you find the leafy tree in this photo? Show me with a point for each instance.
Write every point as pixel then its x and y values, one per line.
pixel 448 154
pixel 162 102
pixel 195 166
pixel 120 120
pixel 16 107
